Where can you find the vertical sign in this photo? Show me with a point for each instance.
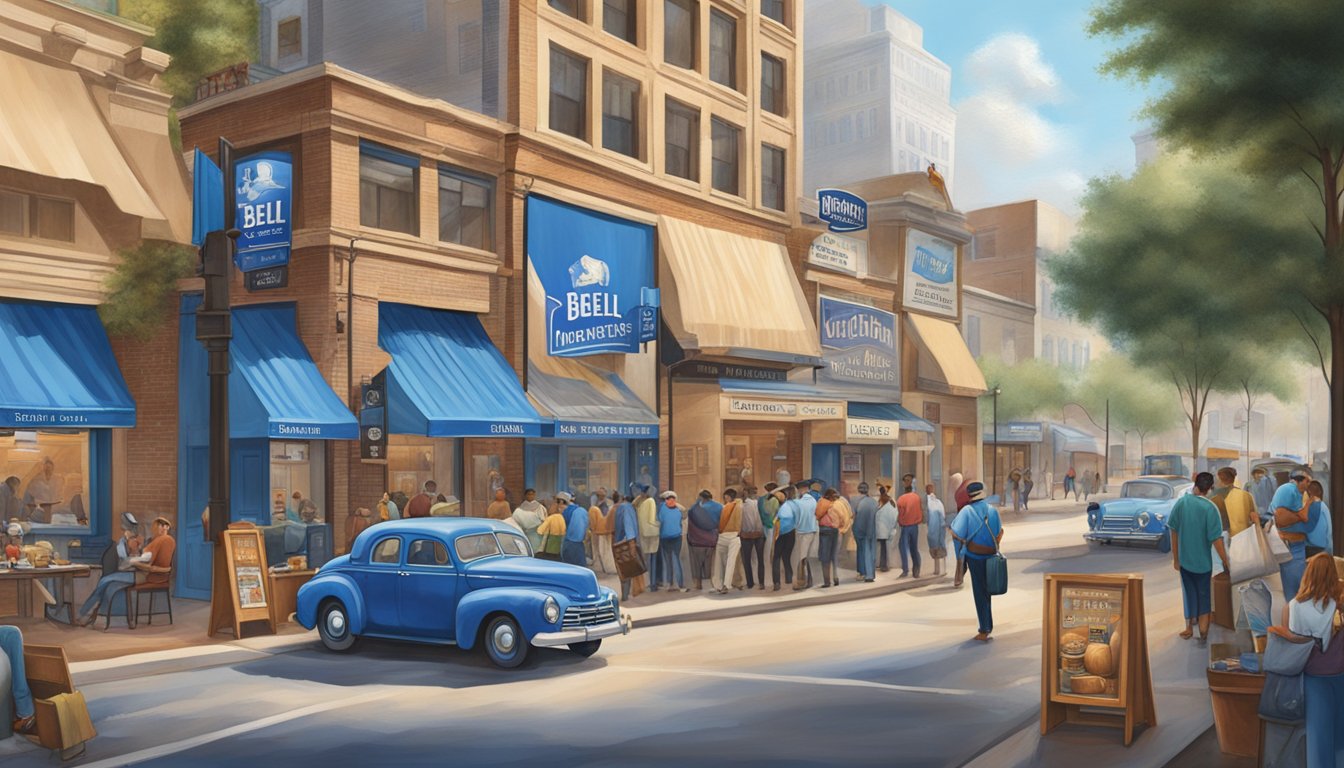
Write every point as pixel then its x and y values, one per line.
pixel 930 274
pixel 265 194
pixel 842 211
pixel 373 419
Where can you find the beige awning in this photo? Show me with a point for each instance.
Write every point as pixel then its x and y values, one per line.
pixel 945 362
pixel 726 294
pixel 50 126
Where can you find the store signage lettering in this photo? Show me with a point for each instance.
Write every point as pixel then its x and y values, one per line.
pixel 705 370
pixel 785 409
pixel 871 429
pixel 297 430
pixel 858 344
pixel 507 429
pixel 596 273
pixel 47 419
pixel 844 254
pixel 842 211
pixel 622 431
pixel 930 274
pixel 264 194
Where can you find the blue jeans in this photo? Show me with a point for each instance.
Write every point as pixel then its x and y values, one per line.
pixel 980 591
pixel 1197 593
pixel 1324 697
pixel 909 547
pixel 11 642
pixel 572 552
pixel 865 547
pixel 669 551
pixel 107 586
pixel 1292 571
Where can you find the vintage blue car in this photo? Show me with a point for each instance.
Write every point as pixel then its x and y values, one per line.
pixel 457 581
pixel 1140 514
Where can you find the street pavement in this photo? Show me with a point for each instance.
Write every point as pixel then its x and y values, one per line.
pixel 888 679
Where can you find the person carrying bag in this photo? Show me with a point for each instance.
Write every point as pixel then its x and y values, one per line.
pixel 1317 660
pixel 978 529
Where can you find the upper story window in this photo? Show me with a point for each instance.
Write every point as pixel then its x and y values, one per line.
pixel 573 8
pixel 388 189
pixel 772 84
pixel 620 114
pixel 569 93
pixel 44 218
pixel 466 209
pixel 726 139
pixel 772 177
pixel 1048 349
pixel 683 140
pixel 722 48
pixel 773 9
pixel 289 37
pixel 619 19
pixel 679 22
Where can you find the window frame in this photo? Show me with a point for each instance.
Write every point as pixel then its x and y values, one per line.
pixel 673 107
pixel 389 156
pixel 783 12
pixel 782 182
pixel 718 16
pixel 580 9
pixel 397 554
pixel 716 123
pixel 297 51
pixel 485 535
pixel 466 177
pixel 778 93
pixel 635 124
pixel 438 545
pixel 560 53
pixel 692 7
pixel 631 13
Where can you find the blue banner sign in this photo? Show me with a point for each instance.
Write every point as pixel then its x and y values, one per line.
pixel 596 431
pixel 858 345
pixel 207 198
pixel 264 188
pixel 596 272
pixel 841 210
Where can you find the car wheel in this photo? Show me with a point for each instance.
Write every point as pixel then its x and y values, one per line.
pixel 504 642
pixel 333 626
pixel 1164 543
pixel 586 649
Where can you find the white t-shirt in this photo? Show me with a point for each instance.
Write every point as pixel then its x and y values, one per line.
pixel 1312 619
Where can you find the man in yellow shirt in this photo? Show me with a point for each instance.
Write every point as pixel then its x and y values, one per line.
pixel 1239 505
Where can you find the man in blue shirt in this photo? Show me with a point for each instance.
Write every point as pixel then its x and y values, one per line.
pixel 786 535
pixel 1290 512
pixel 626 528
pixel 978 528
pixel 670 528
pixel 1195 525
pixel 576 530
pixel 1261 488
pixel 805 547
pixel 1320 532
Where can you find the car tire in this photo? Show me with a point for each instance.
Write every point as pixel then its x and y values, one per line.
pixel 1164 543
pixel 333 626
pixel 587 648
pixel 504 642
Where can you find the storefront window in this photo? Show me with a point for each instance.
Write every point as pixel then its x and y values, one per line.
pixel 45 477
pixel 412 461
pixel 756 456
pixel 485 475
pixel 592 468
pixel 298 490
pixel 871 464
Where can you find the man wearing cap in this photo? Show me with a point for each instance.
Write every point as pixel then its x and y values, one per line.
pixel 576 530
pixel 978 528
pixel 671 527
pixel 128 547
pixel 865 533
pixel 702 534
pixel 805 545
pixel 786 534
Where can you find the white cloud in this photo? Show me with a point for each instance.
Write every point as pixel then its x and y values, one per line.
pixel 1013 63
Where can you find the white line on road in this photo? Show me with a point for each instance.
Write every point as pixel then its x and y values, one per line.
pixel 163 750
pixel 800 680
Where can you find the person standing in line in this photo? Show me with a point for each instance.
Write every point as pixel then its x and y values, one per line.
pixel 845 511
pixel 646 509
pixel 1261 488
pixel 576 530
pixel 1320 536
pixel 865 533
pixel 625 527
pixel 702 534
pixel 1071 483
pixel 854 502
pixel 1195 526
pixel 1291 513
pixel 978 528
pixel 423 501
pixel 596 501
pixel 671 528
pixel 805 545
pixel 828 535
pixel 937 536
pixel 601 523
pixel 752 538
pixel 1239 505
pixel 1014 488
pixel 552 531
pixel 1027 486
pixel 910 515
pixel 529 516
pixel 786 534
pixel 727 550
pixel 1312 613
pixel 886 527
pixel 499 508
pixel 768 507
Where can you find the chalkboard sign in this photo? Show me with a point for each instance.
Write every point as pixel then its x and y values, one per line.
pixel 242 573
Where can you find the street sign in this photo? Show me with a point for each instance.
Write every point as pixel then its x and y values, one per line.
pixel 264 185
pixel 265 279
pixel 373 419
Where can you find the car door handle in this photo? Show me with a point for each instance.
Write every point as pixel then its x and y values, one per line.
pixel 403 573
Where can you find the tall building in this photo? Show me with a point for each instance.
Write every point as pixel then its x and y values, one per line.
pixel 875 102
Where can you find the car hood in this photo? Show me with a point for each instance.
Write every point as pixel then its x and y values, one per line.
pixel 574 582
pixel 1132 507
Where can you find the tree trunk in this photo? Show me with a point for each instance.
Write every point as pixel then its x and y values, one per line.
pixel 1195 423
pixel 1336 471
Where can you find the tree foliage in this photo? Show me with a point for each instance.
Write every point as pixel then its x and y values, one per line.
pixel 1030 388
pixel 202 36
pixel 140 291
pixel 1139 401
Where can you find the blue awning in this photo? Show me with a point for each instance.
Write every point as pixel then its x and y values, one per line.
pixel 276 390
pixel 590 404
pixel 447 379
pixel 57 369
pixel 889 412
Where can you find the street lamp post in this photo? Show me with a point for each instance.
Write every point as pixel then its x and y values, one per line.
pixel 994 480
pixel 1106 448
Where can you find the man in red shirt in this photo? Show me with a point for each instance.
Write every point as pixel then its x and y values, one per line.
pixel 158 553
pixel 909 515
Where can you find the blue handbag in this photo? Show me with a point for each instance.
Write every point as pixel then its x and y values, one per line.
pixel 996 567
pixel 1282 699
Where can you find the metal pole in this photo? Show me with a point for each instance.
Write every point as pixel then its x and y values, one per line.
pixel 994 481
pixel 1106 450
pixel 217 350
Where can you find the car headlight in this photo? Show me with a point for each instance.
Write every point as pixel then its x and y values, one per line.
pixel 550 610
pixel 1143 519
pixel 1093 514
pixel 1159 516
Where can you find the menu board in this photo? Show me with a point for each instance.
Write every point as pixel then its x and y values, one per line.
pixel 1090 640
pixel 240 590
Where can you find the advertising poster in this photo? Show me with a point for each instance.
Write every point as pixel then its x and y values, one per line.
pixel 931 274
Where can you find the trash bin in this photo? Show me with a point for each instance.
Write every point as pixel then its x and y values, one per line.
pixel 1236 703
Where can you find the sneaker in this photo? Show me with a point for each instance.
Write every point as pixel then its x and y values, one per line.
pixel 25 725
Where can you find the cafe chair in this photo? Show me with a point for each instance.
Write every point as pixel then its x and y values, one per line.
pixel 152 589
pixel 110 560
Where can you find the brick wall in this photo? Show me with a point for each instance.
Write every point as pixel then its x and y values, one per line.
pixel 150 370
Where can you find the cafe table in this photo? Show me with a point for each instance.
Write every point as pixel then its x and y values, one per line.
pixel 64 577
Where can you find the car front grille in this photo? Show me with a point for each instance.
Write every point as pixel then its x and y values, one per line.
pixel 1116 524
pixel 589 615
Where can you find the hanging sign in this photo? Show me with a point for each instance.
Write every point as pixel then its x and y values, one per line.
pixel 842 211
pixel 264 191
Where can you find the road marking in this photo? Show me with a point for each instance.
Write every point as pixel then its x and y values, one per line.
pixel 800 679
pixel 163 750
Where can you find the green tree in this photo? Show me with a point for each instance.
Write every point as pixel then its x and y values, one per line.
pixel 1260 79
pixel 140 291
pixel 1029 388
pixel 1138 401
pixel 202 36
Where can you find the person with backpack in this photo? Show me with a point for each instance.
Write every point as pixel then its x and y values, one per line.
pixel 978 528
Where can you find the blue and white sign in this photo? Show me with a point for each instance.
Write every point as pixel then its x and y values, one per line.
pixel 597 275
pixel 930 274
pixel 858 345
pixel 841 210
pixel 264 188
pixel 596 431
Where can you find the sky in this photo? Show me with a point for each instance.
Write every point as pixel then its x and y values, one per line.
pixel 1035 119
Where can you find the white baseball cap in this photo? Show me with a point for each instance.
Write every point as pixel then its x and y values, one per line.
pixel 669 494
pixel 563 496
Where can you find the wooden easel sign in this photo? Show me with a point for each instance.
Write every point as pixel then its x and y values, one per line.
pixel 1095 653
pixel 240 592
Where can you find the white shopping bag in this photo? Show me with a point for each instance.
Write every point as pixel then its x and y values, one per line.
pixel 1277 547
pixel 1249 556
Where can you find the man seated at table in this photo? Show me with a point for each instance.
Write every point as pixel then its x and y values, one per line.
pixel 156 560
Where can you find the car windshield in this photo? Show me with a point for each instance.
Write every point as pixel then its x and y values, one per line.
pixel 1146 491
pixel 513 545
pixel 476 546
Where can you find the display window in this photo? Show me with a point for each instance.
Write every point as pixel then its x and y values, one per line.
pixel 298 487
pixel 760 455
pixel 412 461
pixel 485 475
pixel 45 478
pixel 871 464
pixel 592 468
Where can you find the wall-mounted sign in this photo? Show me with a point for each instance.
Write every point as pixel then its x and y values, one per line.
pixel 784 409
pixel 264 194
pixel 596 431
pixel 842 211
pixel 858 345
pixel 700 369
pixel 597 274
pixel 930 274
pixel 266 279
pixel 373 419
pixel 843 254
pixel 871 431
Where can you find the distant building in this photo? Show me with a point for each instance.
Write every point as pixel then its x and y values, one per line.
pixel 1147 146
pixel 997 327
pixel 875 102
